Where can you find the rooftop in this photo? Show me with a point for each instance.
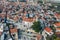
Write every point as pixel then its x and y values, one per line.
pixel 57 24
pixel 57 15
pixel 48 29
pixel 28 19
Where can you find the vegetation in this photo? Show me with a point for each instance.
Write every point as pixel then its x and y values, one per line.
pixel 36 26
pixel 57 38
pixel 40 2
pixel 53 28
pixel 53 37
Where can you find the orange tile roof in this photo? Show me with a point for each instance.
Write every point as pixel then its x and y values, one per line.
pixel 28 19
pixel 57 24
pixel 57 15
pixel 13 30
pixel 48 29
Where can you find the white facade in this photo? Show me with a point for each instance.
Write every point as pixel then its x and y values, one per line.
pixel 1 28
pixel 28 24
pixel 57 30
pixel 2 37
pixel 49 33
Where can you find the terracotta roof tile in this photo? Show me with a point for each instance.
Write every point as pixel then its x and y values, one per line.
pixel 28 19
pixel 48 29
pixel 57 24
pixel 57 15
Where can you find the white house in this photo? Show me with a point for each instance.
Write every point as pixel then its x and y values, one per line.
pixel 57 26
pixel 48 31
pixel 57 16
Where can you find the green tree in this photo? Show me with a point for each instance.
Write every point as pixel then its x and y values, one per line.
pixel 57 38
pixel 40 2
pixel 36 26
pixel 53 28
pixel 53 37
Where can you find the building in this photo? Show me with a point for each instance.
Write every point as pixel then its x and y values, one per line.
pixel 57 26
pixel 57 16
pixel 28 20
pixel 14 33
pixel 48 31
pixel 30 35
pixel 1 32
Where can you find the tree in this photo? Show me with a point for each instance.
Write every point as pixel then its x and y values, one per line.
pixel 40 2
pixel 57 38
pixel 36 26
pixel 53 28
pixel 53 37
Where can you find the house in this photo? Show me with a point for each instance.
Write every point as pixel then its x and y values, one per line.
pixel 1 28
pixel 30 35
pixel 28 21
pixel 57 24
pixel 14 33
pixel 58 34
pixel 13 18
pixel 48 31
pixel 57 29
pixel 57 16
pixel 1 32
